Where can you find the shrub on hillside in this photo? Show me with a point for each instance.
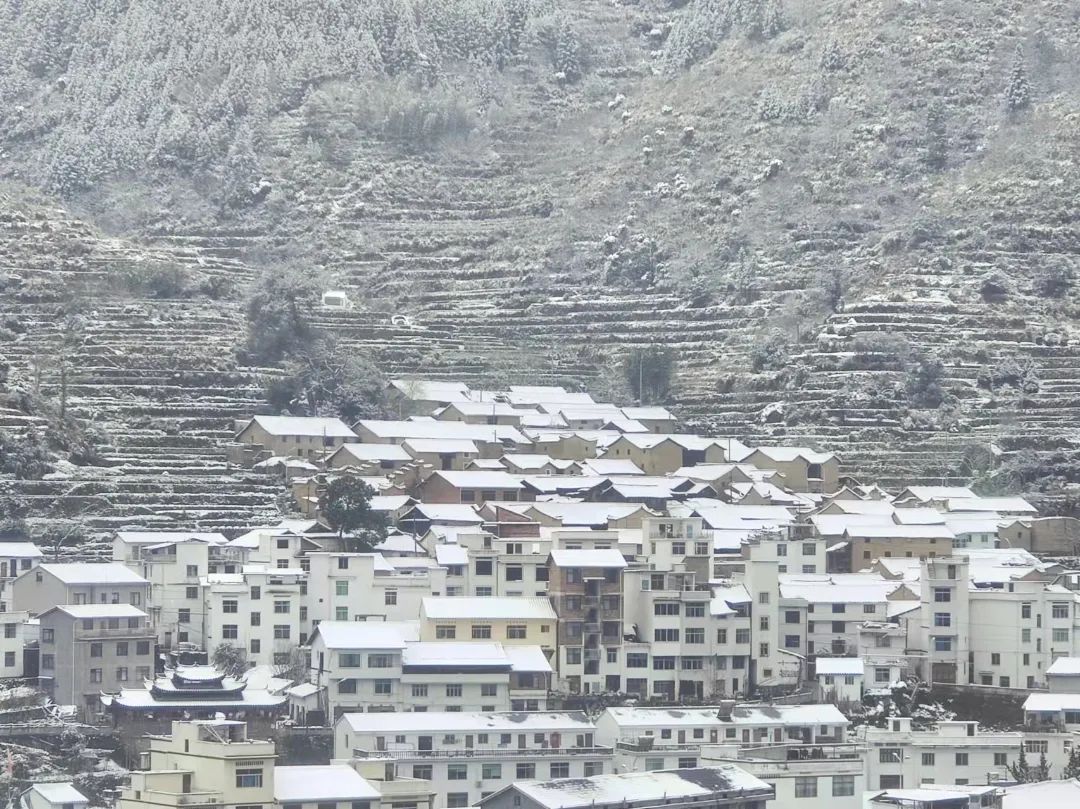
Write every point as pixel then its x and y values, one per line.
pixel 26 458
pixel 649 372
pixel 879 351
pixel 1053 280
pixel 277 314
pixel 770 353
pixel 328 380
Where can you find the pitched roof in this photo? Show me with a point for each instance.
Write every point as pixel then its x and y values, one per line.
pixel 304 425
pixel 429 428
pixel 440 446
pixel 1065 665
pixel 92 573
pixel 373 452
pixel 455 654
pixel 496 608
pixel 631 788
pixel 445 721
pixel 839 665
pixel 80 611
pixel 479 479
pixel 425 390
pixel 360 635
pixel 527 658
pixel 60 792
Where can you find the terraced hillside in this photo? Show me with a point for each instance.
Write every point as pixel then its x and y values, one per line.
pixel 767 200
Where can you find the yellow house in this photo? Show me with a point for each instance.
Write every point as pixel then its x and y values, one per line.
pixel 804 470
pixel 664 454
pixel 510 620
pixel 300 436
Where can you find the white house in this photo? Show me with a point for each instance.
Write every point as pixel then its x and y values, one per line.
pixel 840 679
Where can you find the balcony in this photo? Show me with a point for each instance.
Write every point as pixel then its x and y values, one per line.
pixel 193 798
pixel 483 752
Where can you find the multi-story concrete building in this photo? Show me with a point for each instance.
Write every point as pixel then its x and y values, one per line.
pixel 16 558
pixel 958 752
pixel 586 589
pixel 90 648
pixel 259 610
pixel 48 585
pixel 467 756
pixel 510 621
pixel 17 633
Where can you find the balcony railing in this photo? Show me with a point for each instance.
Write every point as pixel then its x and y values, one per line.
pixel 185 798
pixel 484 752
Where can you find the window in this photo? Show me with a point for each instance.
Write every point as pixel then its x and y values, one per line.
pixel 489 690
pixel 666 608
pixel 661 663
pixel 341 588
pixel 282 631
pixel 695 635
pixel 422 772
pixel 838 627
pixel 1061 636
pixel 721 636
pixel 942 643
pixel 995 659
pixel 47 635
pixel 652 764
pixel 256 593
pixel 687 763
pixel 95 650
pixel 791 641
pixel 515 573
pixel 457 772
pixel 9 659
pixel 256 619
pixel 481 631
pixel 889 755
pixel 192 570
pixel 781 549
pixel 573 655
pixel 121 674
pixel 491 772
pixel 809 549
pixel 343 562
pixel 693 663
pixel 928 759
pixel 525 771
pixel 809 568
pixel 763 598
pixel 483 567
pixel 122 649
pixel 256 646
pixel 1036 746
pixel 806 787
pixel 1025 610
pixel 380 661
pixel 961 759
pixel 282 607
pixel 457 800
pixel 1003 682
pixel 665 635
pixel 445 631
pixel 696 610
pixel 560 769
pixel 763 651
pixel 791 617
pixel 942 595
pixel 229 605
pixel 594 768
pixel 881 674
pixel 1025 635
pixel 249 778
pixel 229 631
pixel 346 687
pixel 1059 610
pixel 48 662
pixel 95 674
pixel 637 660
pixel 1001 759
pixel 516 632
pixel 678 549
pixel 390 598
pixel 384 688
pixel 183 616
pixel 942 619
pixel 742 635
pixel 763 622
pixel 453 690
pixel 843 786
pixel 890 781
pixel 191 593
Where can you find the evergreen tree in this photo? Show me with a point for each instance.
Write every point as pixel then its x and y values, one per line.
pixel 1018 91
pixel 1072 767
pixel 937 141
pixel 346 506
pixel 1042 772
pixel 1020 770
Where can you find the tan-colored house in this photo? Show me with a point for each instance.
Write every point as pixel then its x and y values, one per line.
pixel 442 453
pixel 664 454
pixel 883 540
pixel 492 440
pixel 483 413
pixel 368 459
pixel 510 620
pixel 656 419
pixel 803 470
pixel 310 437
pixel 564 444
pixel 422 397
pixel 472 488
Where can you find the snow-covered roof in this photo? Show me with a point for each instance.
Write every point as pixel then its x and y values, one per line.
pixel 724 597
pixel 1042 795
pixel 918 516
pixel 882 507
pixel 787 715
pixel 1003 505
pixel 891 531
pixel 527 658
pixel 545 394
pixel 1052 702
pixel 92 573
pixel 304 425
pixel 389 502
pixel 360 635
pixel 450 554
pixel 60 792
pixel 373 452
pixel 479 479
pixel 628 718
pixel 789 454
pixel 391 430
pixel 449 513
pixel 303 690
pixel 601 557
pixel 649 413
pixel 321 782
pixel 80 611
pixel 465 654
pixel 22 550
pixel 486 408
pixel 446 721
pixel 1065 665
pixel 610 466
pixel 586 513
pixel 144 699
pixel 837 588
pixel 527 462
pixel 839 665
pixel 495 608
pixel 154 538
pixel 631 788
pixel 926 493
pixel 440 446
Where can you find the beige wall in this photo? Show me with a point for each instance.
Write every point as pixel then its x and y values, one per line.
pixel 537 632
pixel 302 446
pixel 896 549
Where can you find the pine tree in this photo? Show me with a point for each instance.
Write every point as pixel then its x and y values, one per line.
pixel 1018 91
pixel 1042 772
pixel 937 141
pixel 1020 770
pixel 1072 766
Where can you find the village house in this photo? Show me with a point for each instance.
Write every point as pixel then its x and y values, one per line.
pixel 309 437
pixel 803 470
pixel 441 453
pixel 472 488
pixel 47 585
pixel 368 459
pixel 511 621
